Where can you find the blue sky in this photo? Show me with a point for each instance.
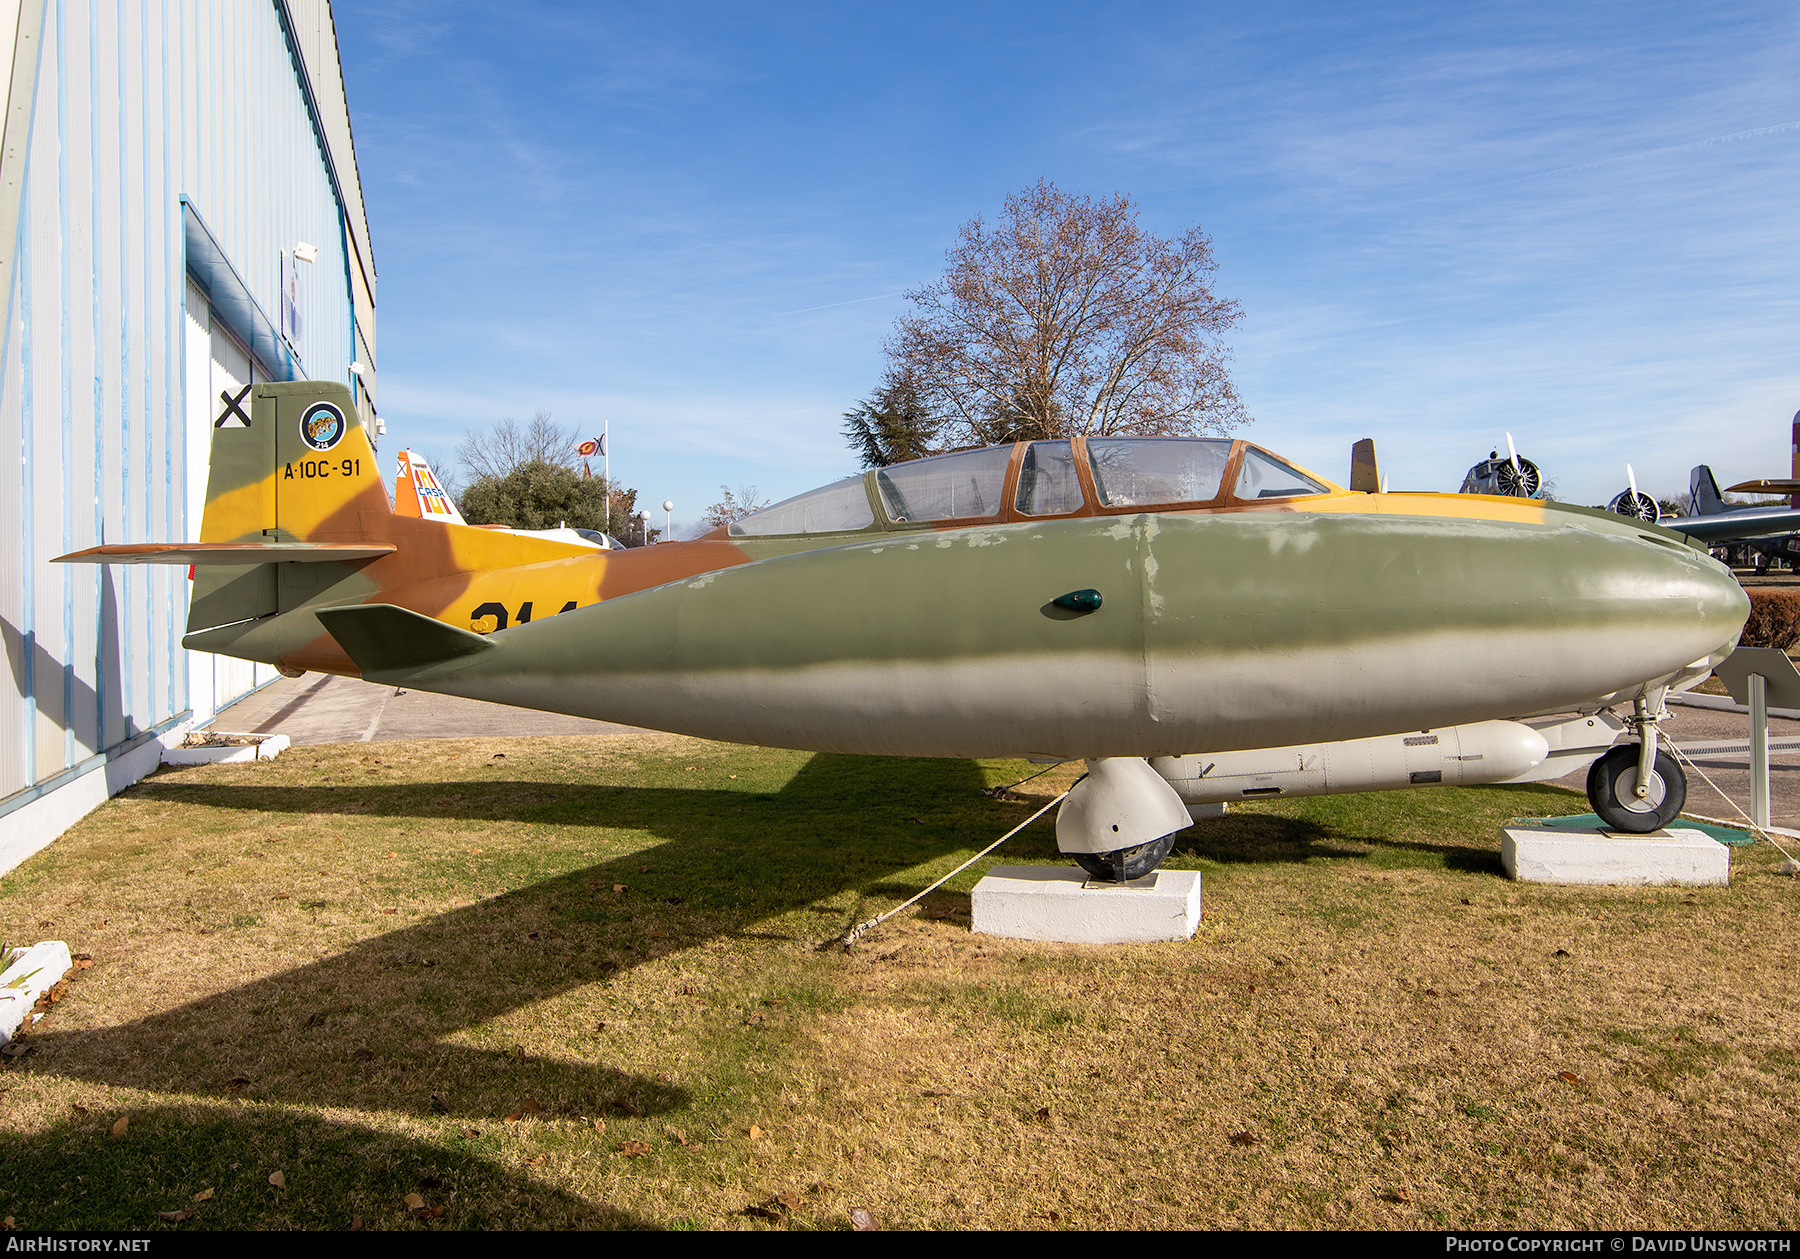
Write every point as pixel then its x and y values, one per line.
pixel 1576 222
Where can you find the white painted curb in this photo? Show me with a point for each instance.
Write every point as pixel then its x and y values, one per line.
pixel 1724 703
pixel 28 975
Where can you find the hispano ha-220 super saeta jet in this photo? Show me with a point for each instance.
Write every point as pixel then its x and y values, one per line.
pixel 1198 619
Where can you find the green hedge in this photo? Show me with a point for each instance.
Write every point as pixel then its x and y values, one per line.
pixel 1774 619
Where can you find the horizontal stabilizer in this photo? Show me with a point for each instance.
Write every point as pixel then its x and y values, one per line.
pixel 1727 526
pixel 222 553
pixel 383 639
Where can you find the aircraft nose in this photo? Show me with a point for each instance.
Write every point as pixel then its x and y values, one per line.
pixel 1670 600
pixel 1721 598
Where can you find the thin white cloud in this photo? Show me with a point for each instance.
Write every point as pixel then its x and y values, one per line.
pixel 1755 133
pixel 855 301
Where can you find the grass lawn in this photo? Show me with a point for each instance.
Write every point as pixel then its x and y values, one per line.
pixel 574 982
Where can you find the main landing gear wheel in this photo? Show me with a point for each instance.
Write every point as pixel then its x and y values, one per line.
pixel 1612 790
pixel 1122 865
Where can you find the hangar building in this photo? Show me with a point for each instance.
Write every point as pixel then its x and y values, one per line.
pixel 180 215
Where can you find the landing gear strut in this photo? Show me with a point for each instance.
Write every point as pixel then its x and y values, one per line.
pixel 1637 787
pixel 1119 820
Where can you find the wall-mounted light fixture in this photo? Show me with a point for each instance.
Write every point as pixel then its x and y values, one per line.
pixel 356 370
pixel 305 252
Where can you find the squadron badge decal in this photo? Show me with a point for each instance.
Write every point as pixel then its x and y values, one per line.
pixel 322 427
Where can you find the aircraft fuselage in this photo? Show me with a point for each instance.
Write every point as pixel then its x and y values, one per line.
pixel 1214 632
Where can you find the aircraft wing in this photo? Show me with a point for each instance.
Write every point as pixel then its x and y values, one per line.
pixel 221 553
pixel 1757 522
pixel 1781 486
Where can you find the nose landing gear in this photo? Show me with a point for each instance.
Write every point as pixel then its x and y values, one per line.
pixel 1612 789
pixel 1637 787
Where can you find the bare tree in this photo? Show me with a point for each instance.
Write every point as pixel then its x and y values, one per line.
pixel 490 454
pixel 1067 317
pixel 736 506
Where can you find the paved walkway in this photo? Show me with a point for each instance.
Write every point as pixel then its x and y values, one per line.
pixel 321 708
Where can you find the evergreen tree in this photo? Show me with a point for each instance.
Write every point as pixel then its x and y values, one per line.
pixel 539 494
pixel 892 426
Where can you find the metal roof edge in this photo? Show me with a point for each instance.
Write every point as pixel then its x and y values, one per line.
pixel 304 72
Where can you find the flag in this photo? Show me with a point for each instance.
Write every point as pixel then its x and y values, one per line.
pixel 592 448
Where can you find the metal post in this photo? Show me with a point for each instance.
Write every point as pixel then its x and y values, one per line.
pixel 1759 750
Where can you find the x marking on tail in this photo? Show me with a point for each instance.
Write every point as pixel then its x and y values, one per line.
pixel 232 409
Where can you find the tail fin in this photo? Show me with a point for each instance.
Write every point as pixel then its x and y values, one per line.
pixel 298 466
pixel 1704 498
pixel 295 466
pixel 417 492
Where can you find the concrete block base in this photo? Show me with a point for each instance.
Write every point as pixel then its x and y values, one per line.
pixel 1676 856
pixel 1058 903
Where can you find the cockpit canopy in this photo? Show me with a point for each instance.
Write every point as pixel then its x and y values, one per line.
pixel 1093 476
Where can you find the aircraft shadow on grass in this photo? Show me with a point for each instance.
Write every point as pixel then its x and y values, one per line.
pixel 384 1007
pixel 386 1011
pixel 76 1176
pixel 1262 839
pixel 382 1014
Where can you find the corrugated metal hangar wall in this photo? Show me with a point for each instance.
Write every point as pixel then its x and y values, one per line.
pixel 162 159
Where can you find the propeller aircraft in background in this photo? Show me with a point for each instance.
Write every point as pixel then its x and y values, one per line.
pixel 1767 532
pixel 1197 618
pixel 1709 518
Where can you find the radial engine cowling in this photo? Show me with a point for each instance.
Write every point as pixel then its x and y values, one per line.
pixel 1633 502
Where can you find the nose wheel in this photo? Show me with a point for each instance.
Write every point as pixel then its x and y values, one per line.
pixel 1612 788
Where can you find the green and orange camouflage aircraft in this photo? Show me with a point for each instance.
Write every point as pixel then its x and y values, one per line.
pixel 1200 620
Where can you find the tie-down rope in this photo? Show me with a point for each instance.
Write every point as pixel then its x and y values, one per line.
pixel 1755 829
pixel 851 936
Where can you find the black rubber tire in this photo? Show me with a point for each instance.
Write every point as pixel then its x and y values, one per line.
pixel 1104 867
pixel 1612 790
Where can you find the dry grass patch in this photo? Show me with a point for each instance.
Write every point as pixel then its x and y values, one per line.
pixel 573 982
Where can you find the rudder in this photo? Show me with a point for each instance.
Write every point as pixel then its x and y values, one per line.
pixel 1704 498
